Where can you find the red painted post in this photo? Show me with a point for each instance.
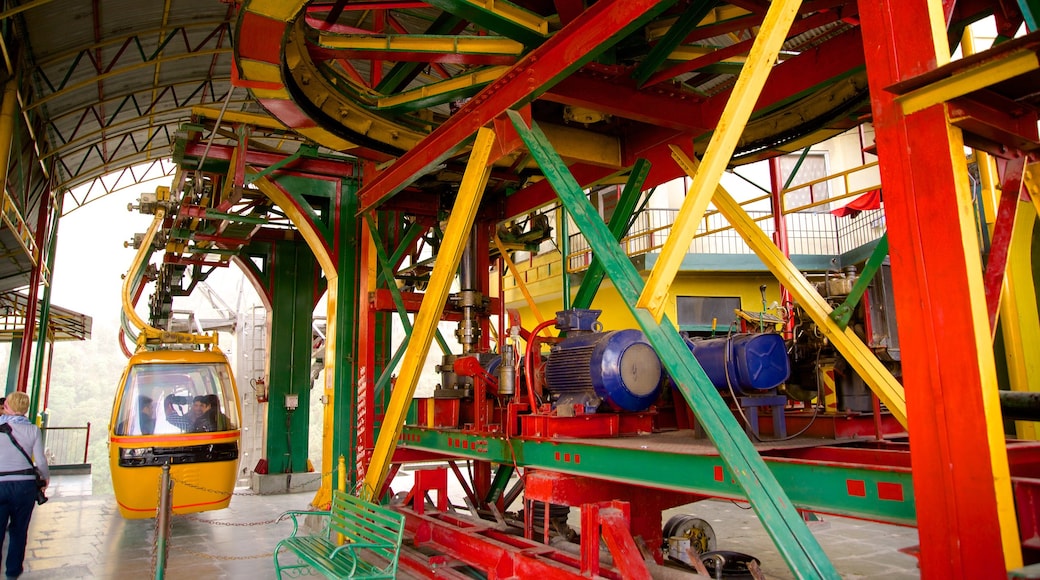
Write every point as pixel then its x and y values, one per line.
pixel 590 540
pixel 939 294
pixel 31 302
pixel 776 200
pixel 627 557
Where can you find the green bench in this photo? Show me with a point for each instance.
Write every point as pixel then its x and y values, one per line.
pixel 370 547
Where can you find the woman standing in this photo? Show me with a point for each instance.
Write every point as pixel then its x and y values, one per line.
pixel 17 480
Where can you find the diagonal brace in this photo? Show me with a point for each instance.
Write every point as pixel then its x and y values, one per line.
pixel 877 377
pixel 720 149
pixel 793 539
pixel 458 230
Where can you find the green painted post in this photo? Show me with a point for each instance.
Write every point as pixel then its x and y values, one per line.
pixel 294 272
pixel 348 297
pixel 792 537
pixel 619 225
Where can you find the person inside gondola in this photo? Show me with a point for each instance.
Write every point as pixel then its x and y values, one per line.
pixel 183 421
pixel 209 418
pixel 145 418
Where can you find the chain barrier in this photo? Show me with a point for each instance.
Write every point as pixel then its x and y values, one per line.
pixel 232 524
pixel 225 558
pixel 296 486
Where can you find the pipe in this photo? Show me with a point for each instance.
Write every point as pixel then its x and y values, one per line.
pixel 1020 405
pixel 529 362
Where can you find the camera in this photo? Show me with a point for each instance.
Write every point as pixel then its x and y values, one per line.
pixel 179 399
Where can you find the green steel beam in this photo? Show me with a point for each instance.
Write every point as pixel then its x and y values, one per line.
pixel 827 487
pixel 498 485
pixel 843 313
pixel 1030 12
pixel 386 271
pixel 619 224
pixel 797 166
pixel 792 537
pixel 675 36
pixel 234 217
pixel 499 16
pixel 345 295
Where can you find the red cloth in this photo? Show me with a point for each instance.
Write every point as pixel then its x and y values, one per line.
pixel 869 200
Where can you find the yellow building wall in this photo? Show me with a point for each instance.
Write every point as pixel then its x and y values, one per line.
pixel 548 296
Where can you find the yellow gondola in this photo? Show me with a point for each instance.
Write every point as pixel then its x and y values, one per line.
pixel 154 423
pixel 177 405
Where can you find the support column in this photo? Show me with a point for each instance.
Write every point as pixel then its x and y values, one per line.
pixel 294 274
pixel 38 389
pixel 965 512
pixel 348 383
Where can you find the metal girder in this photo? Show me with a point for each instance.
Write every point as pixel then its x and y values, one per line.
pixel 866 364
pixel 386 270
pixel 518 278
pixel 594 30
pixel 422 43
pixel 1003 229
pixel 966 516
pixel 618 226
pixel 661 51
pixel 458 230
pixel 969 75
pixel 443 91
pixel 500 16
pixel 842 314
pixel 796 544
pixel 829 484
pixel 717 156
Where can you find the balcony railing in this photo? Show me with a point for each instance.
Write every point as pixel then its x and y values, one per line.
pixel 67 447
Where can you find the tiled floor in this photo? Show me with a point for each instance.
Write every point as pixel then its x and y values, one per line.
pixel 79 535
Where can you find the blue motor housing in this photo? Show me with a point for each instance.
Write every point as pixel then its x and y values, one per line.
pixel 619 367
pixel 755 362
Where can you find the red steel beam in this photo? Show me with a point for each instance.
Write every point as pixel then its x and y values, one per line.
pixel 261 159
pixel 568 49
pixel 1004 224
pixel 937 273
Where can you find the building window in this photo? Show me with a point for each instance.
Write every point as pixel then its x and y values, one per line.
pixel 698 312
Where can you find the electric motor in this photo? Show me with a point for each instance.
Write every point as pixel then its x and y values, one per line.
pixel 754 362
pixel 618 367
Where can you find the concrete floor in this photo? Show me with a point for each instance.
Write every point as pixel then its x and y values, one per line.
pixel 80 535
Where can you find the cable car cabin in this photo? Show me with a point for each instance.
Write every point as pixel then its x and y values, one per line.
pixel 176 407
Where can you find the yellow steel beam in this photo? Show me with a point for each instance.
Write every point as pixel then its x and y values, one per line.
pixel 474 79
pixel 512 13
pixel 657 29
pixel 460 224
pixel 483 45
pixel 518 279
pixel 724 140
pixel 1031 181
pixel 1019 317
pixel 877 377
pixel 971 80
pixel 254 119
pixel 688 52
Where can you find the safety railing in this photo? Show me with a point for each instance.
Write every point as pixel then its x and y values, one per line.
pixel 67 446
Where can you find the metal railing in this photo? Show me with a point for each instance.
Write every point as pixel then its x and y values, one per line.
pixel 67 446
